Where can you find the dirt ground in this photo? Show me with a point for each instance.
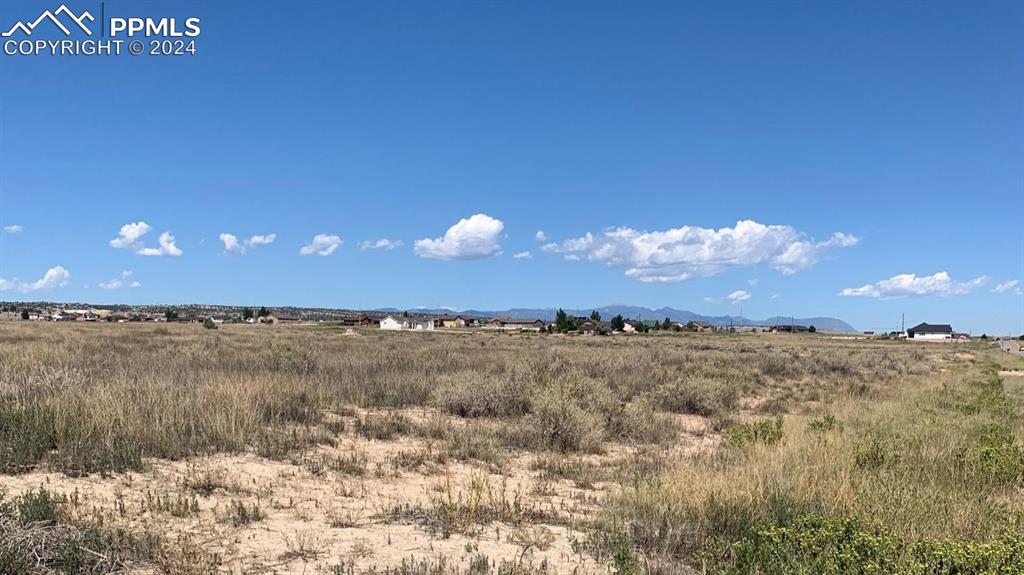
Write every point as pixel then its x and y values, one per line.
pixel 373 513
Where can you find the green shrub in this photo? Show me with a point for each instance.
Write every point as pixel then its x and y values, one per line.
pixel 479 395
pixel 827 422
pixel 765 431
pixel 37 507
pixel 995 457
pixel 698 395
pixel 817 544
pixel 563 425
pixel 876 451
pixel 638 421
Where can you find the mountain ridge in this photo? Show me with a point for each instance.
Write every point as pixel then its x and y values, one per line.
pixel 823 323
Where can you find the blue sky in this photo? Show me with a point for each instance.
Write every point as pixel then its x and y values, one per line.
pixel 708 150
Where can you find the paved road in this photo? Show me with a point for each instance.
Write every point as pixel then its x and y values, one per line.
pixel 1012 346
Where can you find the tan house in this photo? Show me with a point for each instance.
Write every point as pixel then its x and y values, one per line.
pixel 280 318
pixel 450 321
pixel 699 326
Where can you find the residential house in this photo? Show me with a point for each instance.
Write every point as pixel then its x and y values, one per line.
pixel 788 328
pixel 588 327
pixel 699 326
pixel 930 332
pixel 628 327
pixel 280 318
pixel 447 321
pixel 422 324
pixel 507 323
pixel 391 323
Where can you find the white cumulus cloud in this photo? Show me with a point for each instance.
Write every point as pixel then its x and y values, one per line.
pixel 522 256
pixel 475 237
pixel 322 245
pixel 739 296
pixel 54 277
pixel 120 282
pixel 130 238
pixel 683 253
pixel 14 229
pixel 381 244
pixel 232 245
pixel 541 236
pixel 1009 286
pixel 911 285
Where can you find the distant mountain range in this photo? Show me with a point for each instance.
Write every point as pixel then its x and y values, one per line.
pixel 644 313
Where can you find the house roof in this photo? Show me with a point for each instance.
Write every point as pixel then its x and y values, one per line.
pixel 932 328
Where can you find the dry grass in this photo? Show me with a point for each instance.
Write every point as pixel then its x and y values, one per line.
pixel 629 453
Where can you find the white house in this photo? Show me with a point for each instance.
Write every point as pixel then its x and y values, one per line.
pixel 930 332
pixel 394 324
pixel 628 328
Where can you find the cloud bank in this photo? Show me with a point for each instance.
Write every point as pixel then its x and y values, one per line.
pixel 54 277
pixel 910 285
pixel 680 254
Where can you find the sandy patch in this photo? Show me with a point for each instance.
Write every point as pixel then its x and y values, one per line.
pixel 315 513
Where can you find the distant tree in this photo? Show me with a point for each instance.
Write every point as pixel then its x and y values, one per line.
pixel 812 329
pixel 24 314
pixel 618 323
pixel 984 336
pixel 247 313
pixel 667 324
pixel 170 314
pixel 562 322
pixel 595 315
pixel 264 312
pixel 1021 338
pixel 208 323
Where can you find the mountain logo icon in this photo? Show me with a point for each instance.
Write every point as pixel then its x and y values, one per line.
pixel 27 28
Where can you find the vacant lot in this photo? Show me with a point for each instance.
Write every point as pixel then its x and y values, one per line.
pixel 177 450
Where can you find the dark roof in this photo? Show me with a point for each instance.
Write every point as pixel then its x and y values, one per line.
pixel 931 328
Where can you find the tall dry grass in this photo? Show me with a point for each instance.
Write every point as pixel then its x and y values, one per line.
pixel 86 398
